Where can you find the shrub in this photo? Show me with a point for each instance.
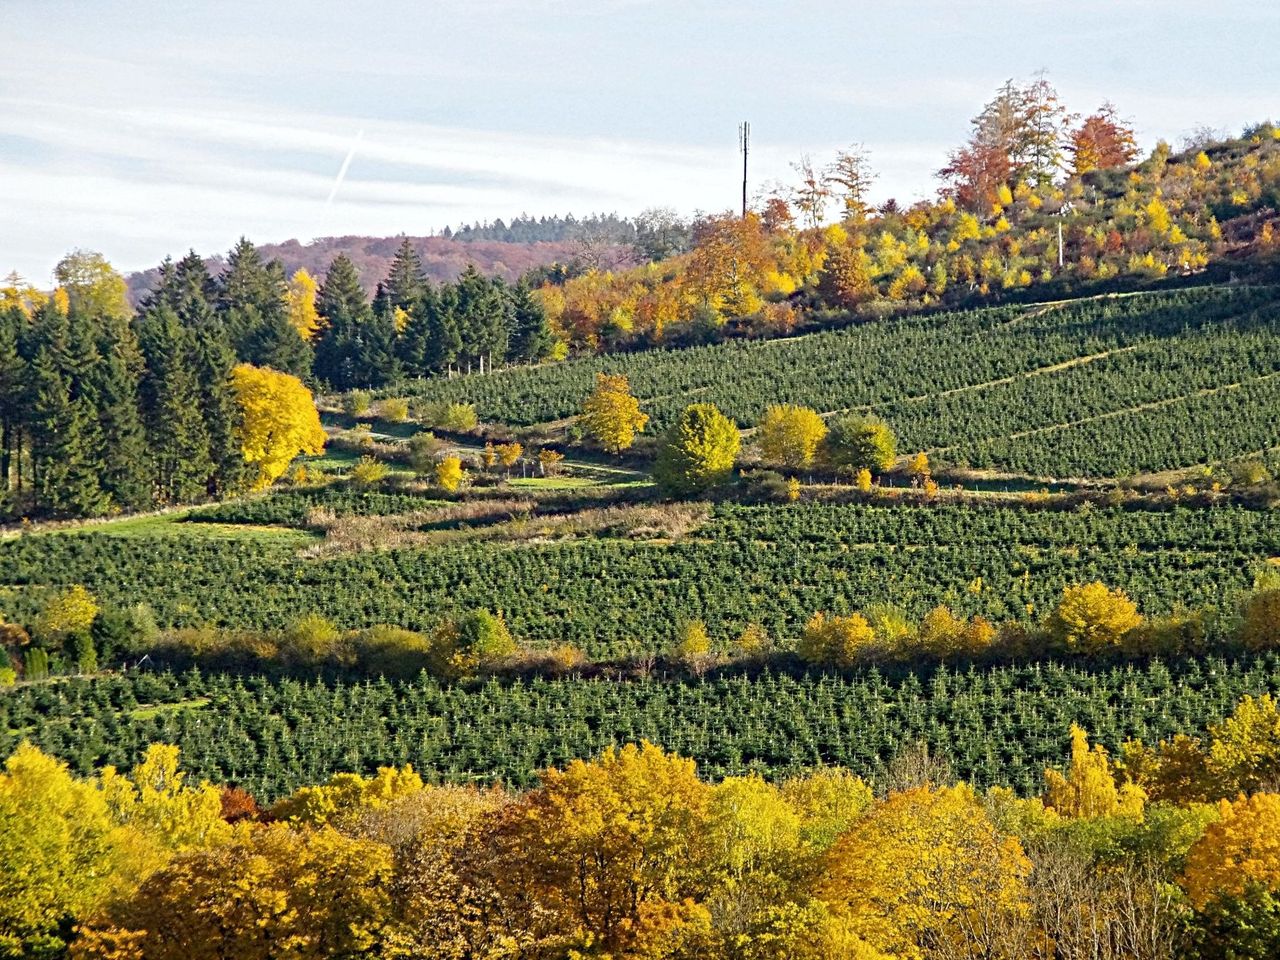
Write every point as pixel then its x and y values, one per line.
pixel 791 435
pixel 698 451
pixel 356 403
pixel 858 442
pixel 392 652
pixel 836 641
pixel 449 474
pixel 1261 627
pixel 424 448
pixel 1092 619
pixel 70 612
pixel 394 409
pixel 311 641
pixel 368 471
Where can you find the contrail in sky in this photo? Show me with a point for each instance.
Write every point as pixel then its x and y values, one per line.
pixel 342 172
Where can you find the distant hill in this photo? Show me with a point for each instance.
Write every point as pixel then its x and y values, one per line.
pixel 444 258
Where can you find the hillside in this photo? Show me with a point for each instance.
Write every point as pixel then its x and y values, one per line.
pixel 443 259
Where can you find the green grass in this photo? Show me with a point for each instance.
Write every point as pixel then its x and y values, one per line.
pixel 178 524
pixel 158 710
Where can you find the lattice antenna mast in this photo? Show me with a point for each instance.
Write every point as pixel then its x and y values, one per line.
pixel 744 146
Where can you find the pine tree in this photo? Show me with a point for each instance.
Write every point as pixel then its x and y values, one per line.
pixel 252 302
pixel 276 343
pixel 212 360
pixel 13 388
pixel 405 285
pixel 531 337
pixel 413 343
pixel 124 456
pixel 176 432
pixel 444 338
pixel 355 349
pixel 66 479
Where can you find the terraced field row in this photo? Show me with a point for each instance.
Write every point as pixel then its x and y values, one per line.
pixel 775 565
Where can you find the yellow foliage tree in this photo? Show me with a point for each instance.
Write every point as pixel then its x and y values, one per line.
pixel 1089 788
pixel 61 854
pixel 1244 751
pixel 1240 850
pixel 347 796
pixel 300 299
pixel 449 474
pixel 1092 618
pixel 279 420
pixel 611 851
pixel 791 434
pixel 926 869
pixel 836 641
pixel 155 800
pixel 1261 627
pixel 611 414
pixel 68 612
pixel 268 893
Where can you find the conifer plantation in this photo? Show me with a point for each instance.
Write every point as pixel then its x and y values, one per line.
pixel 832 578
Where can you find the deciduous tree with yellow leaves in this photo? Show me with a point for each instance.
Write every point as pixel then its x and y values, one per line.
pixel 791 434
pixel 611 415
pixel 279 420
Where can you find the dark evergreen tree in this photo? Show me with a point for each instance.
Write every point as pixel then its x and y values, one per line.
pixel 531 336
pixel 443 344
pixel 276 343
pixel 405 285
pixel 63 442
pixel 124 457
pixel 413 344
pixel 14 381
pixel 176 431
pixel 357 348
pixel 251 302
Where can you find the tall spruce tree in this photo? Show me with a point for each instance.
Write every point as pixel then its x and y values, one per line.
pixel 443 344
pixel 531 336
pixel 357 347
pixel 124 457
pixel 406 284
pixel 63 441
pixel 251 301
pixel 13 389
pixel 170 391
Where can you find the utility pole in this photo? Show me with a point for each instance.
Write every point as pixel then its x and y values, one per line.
pixel 744 145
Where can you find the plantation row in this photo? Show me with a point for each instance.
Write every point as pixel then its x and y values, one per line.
pixel 773 565
pixel 1149 373
pixel 1200 428
pixel 1154 347
pixel 998 725
pixel 291 507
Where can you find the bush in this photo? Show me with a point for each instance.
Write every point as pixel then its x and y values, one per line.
pixel 449 474
pixel 394 409
pixel 392 652
pixel 1093 619
pixel 424 448
pixel 356 403
pixel 368 471
pixel 837 641
pixel 698 451
pixel 313 641
pixel 856 443
pixel 1261 627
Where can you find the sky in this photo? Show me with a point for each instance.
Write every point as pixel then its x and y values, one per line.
pixel 141 128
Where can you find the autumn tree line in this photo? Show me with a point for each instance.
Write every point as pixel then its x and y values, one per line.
pixel 1159 851
pixel 107 409
pixel 74 633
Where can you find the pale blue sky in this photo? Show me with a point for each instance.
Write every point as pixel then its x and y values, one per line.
pixel 140 127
